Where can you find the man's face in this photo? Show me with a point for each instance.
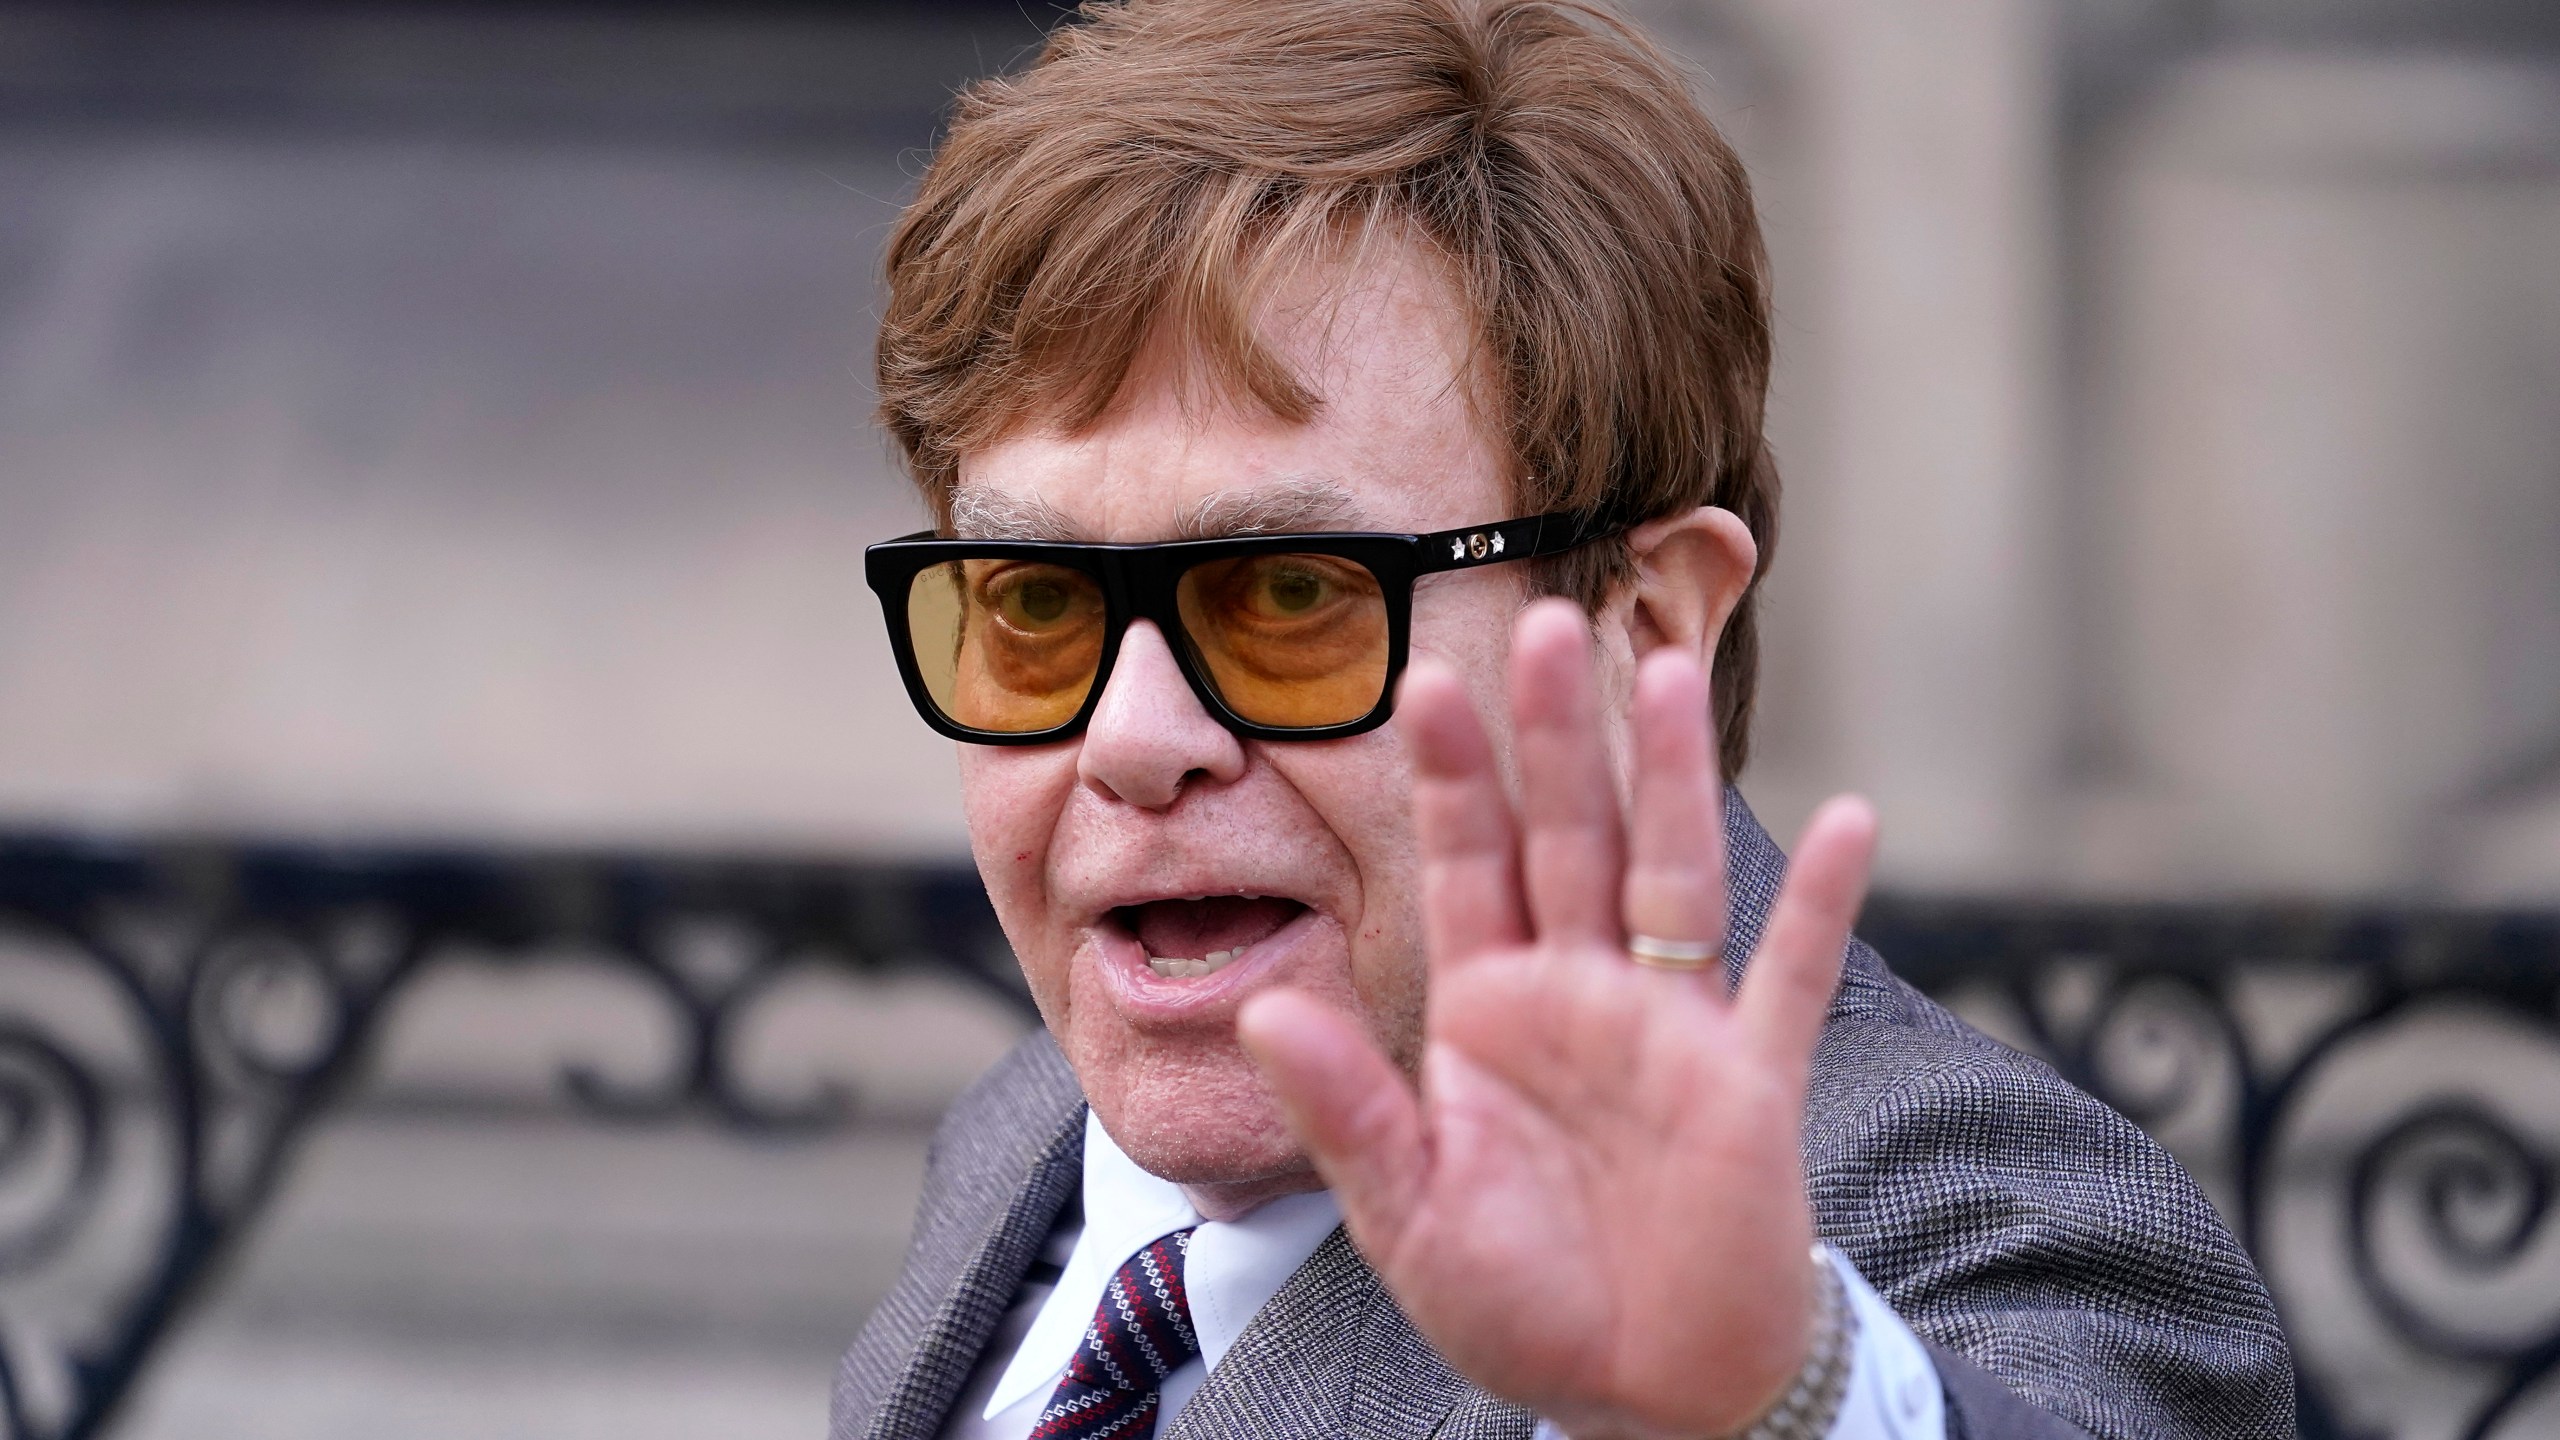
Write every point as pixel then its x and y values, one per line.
pixel 1157 834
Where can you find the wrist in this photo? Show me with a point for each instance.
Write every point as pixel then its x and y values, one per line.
pixel 1806 1409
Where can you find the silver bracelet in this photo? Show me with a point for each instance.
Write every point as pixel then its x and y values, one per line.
pixel 1806 1411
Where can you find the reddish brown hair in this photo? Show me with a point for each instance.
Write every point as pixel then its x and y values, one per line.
pixel 1164 158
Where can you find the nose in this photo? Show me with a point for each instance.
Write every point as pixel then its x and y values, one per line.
pixel 1149 736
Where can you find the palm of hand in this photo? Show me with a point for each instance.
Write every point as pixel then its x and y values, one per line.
pixel 1581 1129
pixel 1594 1205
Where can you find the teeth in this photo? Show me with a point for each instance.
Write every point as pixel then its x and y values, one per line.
pixel 1176 968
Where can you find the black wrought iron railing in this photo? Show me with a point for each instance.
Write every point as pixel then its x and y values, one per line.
pixel 2367 1090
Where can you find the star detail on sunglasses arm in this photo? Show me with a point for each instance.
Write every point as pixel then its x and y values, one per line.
pixel 1592 1178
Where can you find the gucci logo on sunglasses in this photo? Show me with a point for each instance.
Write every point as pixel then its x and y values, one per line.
pixel 1282 637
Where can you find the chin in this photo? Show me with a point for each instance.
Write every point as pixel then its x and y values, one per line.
pixel 1194 1115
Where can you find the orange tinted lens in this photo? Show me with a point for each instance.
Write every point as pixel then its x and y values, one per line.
pixel 1006 645
pixel 1296 641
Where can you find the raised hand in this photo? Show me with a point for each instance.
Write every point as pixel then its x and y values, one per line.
pixel 1595 1203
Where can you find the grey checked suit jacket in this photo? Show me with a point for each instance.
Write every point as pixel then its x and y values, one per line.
pixel 2067 1275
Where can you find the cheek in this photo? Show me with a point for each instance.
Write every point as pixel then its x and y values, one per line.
pixel 1465 621
pixel 1363 792
pixel 1012 798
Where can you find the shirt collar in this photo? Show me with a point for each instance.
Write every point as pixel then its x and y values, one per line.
pixel 1232 1268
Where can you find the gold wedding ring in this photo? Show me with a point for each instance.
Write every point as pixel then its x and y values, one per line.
pixel 1657 953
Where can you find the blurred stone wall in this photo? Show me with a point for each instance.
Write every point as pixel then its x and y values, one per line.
pixel 455 423
pixel 456 426
pixel 2170 403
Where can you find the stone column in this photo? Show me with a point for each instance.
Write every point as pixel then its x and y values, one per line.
pixel 2331 404
pixel 1914 605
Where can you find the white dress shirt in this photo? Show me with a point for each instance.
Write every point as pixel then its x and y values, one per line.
pixel 1234 1266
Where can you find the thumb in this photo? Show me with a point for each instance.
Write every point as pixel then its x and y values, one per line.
pixel 1346 1103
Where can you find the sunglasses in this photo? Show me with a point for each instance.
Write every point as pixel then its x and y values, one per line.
pixel 1282 637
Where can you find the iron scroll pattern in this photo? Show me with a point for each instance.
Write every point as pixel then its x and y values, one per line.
pixel 254 981
pixel 2163 1011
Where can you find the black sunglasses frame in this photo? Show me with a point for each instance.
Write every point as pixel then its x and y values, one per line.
pixel 1138 583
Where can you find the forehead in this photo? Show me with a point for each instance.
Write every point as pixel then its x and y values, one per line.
pixel 1399 439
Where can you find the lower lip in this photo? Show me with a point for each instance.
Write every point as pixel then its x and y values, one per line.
pixel 1143 994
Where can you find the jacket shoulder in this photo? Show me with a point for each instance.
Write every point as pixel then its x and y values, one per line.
pixel 2020 1222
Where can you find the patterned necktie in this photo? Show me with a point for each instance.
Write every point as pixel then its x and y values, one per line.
pixel 1140 1334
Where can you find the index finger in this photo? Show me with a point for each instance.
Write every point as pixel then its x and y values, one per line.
pixel 1461 819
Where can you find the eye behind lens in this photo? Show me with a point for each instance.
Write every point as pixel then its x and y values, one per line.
pixel 1007 646
pixel 1294 591
pixel 1038 598
pixel 1289 640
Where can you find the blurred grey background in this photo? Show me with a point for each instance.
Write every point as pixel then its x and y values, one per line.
pixel 450 422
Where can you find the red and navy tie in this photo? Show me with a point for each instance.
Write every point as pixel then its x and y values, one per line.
pixel 1140 1334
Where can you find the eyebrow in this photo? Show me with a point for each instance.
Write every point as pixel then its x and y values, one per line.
pixel 1281 509
pixel 981 512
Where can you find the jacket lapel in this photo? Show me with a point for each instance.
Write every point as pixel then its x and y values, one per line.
pixel 1332 1355
pixel 999 1178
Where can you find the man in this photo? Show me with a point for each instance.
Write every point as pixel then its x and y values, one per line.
pixel 1264 361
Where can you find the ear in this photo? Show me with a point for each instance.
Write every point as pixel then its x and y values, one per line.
pixel 1691 571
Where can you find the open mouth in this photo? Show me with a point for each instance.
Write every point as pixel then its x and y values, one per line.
pixel 1189 939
